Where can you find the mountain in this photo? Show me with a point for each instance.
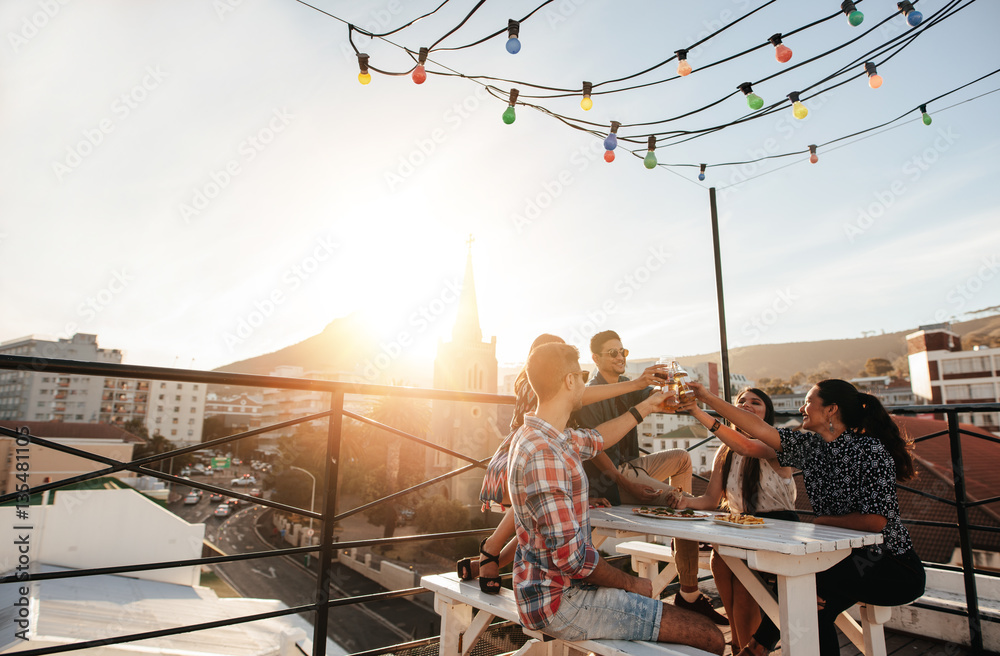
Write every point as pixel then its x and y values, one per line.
pixel 840 357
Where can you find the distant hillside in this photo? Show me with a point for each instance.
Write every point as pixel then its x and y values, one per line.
pixel 841 357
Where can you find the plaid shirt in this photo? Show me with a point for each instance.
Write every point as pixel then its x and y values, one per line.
pixel 549 491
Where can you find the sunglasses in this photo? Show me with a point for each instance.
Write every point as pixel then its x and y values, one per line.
pixel 613 353
pixel 584 373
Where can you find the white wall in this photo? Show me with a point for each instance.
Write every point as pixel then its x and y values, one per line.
pixel 104 528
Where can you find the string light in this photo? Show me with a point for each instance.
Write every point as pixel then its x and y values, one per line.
pixel 913 17
pixel 683 67
pixel 611 142
pixel 513 31
pixel 754 101
pixel 420 73
pixel 781 52
pixel 854 17
pixel 364 77
pixel 587 103
pixel 649 161
pixel 813 157
pixel 508 114
pixel 799 110
pixel 874 79
pixel 701 174
pixel 924 116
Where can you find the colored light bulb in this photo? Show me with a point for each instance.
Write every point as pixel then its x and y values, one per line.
pixel 813 157
pixel 754 101
pixel 913 18
pixel 701 176
pixel 855 18
pixel 649 161
pixel 364 77
pixel 683 67
pixel 701 173
pixel 586 104
pixel 924 116
pixel 875 81
pixel 513 45
pixel 611 141
pixel 419 74
pixel 609 156
pixel 782 53
pixel 509 116
pixel 513 31
pixel 799 110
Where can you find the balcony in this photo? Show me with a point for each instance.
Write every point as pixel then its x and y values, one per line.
pixel 311 547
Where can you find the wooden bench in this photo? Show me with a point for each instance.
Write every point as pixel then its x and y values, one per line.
pixel 466 612
pixel 868 636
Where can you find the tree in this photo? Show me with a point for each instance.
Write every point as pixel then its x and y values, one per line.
pixel 878 367
pixel 818 376
pixel 400 464
pixel 154 446
pixel 796 379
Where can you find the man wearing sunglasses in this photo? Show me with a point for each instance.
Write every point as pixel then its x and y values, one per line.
pixel 561 583
pixel 621 474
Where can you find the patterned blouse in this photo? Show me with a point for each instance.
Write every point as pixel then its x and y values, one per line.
pixel 852 474
pixel 495 481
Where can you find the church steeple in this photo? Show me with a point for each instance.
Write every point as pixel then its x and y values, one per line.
pixel 467 327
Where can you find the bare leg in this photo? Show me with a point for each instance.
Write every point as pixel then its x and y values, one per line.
pixel 689 628
pixel 497 544
pixel 724 584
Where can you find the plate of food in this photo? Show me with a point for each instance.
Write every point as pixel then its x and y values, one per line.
pixel 663 512
pixel 740 521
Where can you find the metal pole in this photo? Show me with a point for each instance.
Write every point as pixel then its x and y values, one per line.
pixel 329 512
pixel 724 342
pixel 312 499
pixel 968 564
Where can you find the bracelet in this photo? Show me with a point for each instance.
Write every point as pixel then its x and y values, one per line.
pixel 715 426
pixel 636 414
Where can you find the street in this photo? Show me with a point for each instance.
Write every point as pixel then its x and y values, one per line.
pixel 356 627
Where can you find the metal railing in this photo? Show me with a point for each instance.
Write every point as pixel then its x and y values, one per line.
pixel 327 517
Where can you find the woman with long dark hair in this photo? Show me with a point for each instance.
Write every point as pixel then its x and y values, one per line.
pixel 851 454
pixel 748 478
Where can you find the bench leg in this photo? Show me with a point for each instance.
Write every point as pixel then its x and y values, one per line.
pixel 455 620
pixel 649 569
pixel 869 636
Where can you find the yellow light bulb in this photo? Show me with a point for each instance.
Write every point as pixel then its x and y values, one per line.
pixel 364 78
pixel 799 110
pixel 586 104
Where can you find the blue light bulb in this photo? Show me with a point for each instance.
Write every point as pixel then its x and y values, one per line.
pixel 611 141
pixel 513 45
pixel 913 18
pixel 701 176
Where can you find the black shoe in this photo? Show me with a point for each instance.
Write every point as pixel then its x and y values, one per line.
pixel 702 606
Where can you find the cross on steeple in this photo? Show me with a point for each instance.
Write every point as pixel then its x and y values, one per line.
pixel 470 240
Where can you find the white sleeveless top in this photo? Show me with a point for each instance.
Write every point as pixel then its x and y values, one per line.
pixel 776 492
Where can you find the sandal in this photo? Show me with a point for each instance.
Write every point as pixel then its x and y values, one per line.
pixel 464 569
pixel 488 584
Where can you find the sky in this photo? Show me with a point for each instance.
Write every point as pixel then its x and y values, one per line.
pixel 202 182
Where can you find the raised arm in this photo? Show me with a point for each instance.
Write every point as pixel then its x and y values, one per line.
pixel 735 440
pixel 615 429
pixel 595 393
pixel 749 423
pixel 713 494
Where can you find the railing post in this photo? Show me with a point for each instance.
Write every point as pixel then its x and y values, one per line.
pixel 968 563
pixel 336 421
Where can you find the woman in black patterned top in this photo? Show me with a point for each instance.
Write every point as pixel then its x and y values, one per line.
pixel 851 454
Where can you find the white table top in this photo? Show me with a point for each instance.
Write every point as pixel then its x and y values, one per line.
pixel 794 538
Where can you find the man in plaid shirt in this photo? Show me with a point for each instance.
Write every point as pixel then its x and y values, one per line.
pixel 561 583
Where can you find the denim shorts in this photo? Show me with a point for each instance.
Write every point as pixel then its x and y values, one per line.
pixel 592 613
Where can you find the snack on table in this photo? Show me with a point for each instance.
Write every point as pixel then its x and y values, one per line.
pixel 663 511
pixel 739 518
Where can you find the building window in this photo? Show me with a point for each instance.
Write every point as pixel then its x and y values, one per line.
pixel 965 365
pixel 177 398
pixel 173 431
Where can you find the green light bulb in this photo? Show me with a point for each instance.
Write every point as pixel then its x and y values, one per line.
pixel 649 161
pixel 855 18
pixel 508 115
pixel 754 101
pixel 926 118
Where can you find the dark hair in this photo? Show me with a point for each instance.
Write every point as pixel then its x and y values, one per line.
pixel 597 341
pixel 547 365
pixel 522 376
pixel 865 413
pixel 751 466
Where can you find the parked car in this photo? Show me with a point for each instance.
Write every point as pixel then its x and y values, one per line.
pixel 222 510
pixel 191 499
